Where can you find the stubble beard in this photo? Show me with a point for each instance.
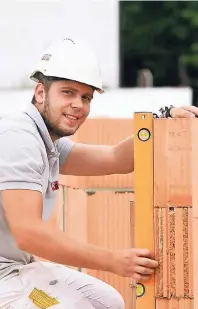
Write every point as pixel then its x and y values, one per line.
pixel 52 128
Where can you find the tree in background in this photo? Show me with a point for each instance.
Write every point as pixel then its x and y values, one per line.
pixel 161 36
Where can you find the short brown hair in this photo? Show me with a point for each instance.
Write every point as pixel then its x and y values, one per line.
pixel 46 81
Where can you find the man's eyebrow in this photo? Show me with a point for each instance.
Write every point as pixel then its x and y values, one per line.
pixel 75 90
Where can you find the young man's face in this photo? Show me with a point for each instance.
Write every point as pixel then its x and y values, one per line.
pixel 65 106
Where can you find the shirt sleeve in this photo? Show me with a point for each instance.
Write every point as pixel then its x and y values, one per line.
pixel 64 147
pixel 21 161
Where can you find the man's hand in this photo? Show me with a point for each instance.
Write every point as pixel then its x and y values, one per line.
pixel 184 112
pixel 135 263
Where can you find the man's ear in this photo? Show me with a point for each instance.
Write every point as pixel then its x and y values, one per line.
pixel 39 93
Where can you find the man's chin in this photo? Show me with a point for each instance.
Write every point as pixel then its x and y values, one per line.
pixel 69 132
pixel 62 133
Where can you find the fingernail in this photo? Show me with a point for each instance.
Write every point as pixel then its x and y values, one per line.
pixel 192 116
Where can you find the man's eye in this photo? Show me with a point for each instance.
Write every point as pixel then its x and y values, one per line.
pixel 87 99
pixel 67 92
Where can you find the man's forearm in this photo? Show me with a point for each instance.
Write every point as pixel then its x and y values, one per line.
pixel 54 245
pixel 124 154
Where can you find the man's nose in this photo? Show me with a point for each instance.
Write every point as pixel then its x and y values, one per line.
pixel 77 103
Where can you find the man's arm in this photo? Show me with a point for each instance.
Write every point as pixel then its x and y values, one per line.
pixel 21 181
pixel 97 160
pixel 23 210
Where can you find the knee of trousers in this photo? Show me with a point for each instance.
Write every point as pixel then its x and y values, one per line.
pixel 117 301
pixel 114 300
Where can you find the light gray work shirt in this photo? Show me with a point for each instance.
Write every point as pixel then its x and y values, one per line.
pixel 28 160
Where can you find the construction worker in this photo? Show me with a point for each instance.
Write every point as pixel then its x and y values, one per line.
pixel 34 150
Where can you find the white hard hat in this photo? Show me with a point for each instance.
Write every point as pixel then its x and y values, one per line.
pixel 70 60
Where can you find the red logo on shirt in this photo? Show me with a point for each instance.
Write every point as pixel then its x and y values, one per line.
pixel 55 185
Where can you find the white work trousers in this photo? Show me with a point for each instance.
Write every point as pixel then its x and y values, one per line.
pixel 73 289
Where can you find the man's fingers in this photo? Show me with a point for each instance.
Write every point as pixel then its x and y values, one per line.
pixel 191 109
pixel 147 262
pixel 144 270
pixel 185 112
pixel 143 252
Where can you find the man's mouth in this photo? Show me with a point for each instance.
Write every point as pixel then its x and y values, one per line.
pixel 71 117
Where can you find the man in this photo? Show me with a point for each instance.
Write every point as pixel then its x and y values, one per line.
pixel 33 147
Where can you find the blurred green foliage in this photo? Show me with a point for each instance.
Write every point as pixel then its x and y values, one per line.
pixel 160 35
